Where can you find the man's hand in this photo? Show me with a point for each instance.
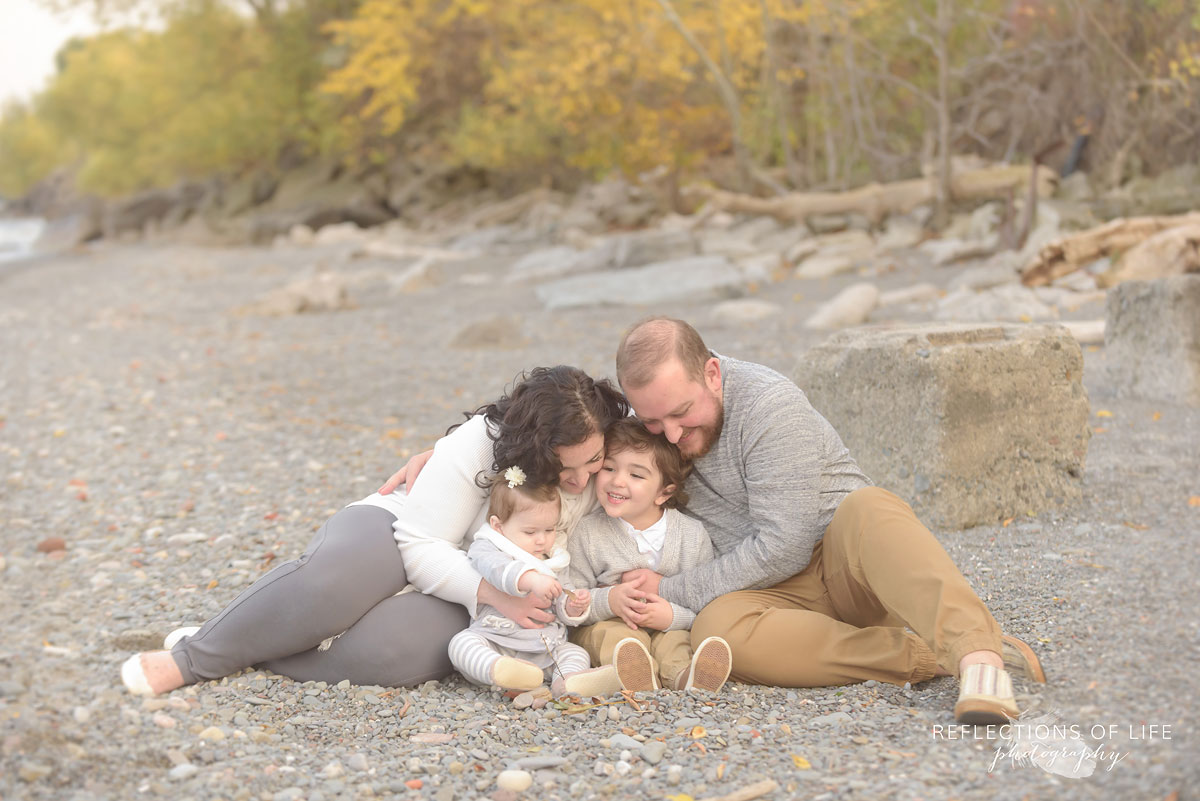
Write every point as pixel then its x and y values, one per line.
pixel 527 611
pixel 628 602
pixel 644 578
pixel 659 614
pixel 578 602
pixel 407 474
pixel 544 587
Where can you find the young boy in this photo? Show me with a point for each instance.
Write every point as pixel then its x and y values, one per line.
pixel 638 525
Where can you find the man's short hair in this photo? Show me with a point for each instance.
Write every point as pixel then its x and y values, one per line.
pixel 653 341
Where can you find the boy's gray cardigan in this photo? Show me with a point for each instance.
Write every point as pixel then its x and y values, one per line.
pixel 601 550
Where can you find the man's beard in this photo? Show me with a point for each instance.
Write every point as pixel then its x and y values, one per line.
pixel 709 433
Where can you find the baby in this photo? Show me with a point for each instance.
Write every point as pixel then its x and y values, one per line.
pixel 516 552
pixel 638 526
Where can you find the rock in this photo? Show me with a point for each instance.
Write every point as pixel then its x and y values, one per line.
pixel 3 563
pixel 833 718
pixel 639 248
pixel 998 270
pixel 970 424
pixel 1075 186
pixel 825 266
pixel 726 243
pixel 852 306
pixel 653 751
pixel 518 781
pixel 1175 251
pixel 301 234
pixel 1009 303
pixel 744 310
pixel 182 772
pixel 556 262
pixel 948 251
pixel 346 233
pixel 495 333
pixel 900 233
pixel 135 213
pixel 917 293
pixel 323 292
pixel 623 741
pixel 695 278
pixel 33 771
pixel 828 223
pixel 1152 339
pixel 52 544
pixel 164 721
pixel 1086 332
pixel 837 253
pixel 213 733
pixel 358 761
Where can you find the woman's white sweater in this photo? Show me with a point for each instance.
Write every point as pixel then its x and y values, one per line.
pixel 436 519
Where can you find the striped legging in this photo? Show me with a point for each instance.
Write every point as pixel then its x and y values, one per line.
pixel 474 656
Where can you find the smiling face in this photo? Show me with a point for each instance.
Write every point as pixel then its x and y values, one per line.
pixel 630 486
pixel 687 412
pixel 579 463
pixel 531 528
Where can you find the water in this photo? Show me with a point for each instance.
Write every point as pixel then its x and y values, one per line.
pixel 17 235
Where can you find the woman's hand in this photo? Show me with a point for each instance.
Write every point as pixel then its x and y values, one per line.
pixel 528 611
pixel 407 474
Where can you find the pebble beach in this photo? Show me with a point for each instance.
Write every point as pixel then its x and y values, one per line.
pixel 162 446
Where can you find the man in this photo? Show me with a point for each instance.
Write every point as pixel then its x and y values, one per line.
pixel 819 573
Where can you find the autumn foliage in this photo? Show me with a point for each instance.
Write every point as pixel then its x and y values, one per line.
pixel 821 93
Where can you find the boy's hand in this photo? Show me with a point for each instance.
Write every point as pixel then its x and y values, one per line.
pixel 578 602
pixel 628 602
pixel 544 587
pixel 659 614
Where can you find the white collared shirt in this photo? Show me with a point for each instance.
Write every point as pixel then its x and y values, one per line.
pixel 650 542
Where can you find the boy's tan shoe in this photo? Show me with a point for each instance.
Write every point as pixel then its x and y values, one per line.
pixel 1020 660
pixel 635 668
pixel 710 667
pixel 985 696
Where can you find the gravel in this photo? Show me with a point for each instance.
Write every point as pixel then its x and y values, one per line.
pixel 179 447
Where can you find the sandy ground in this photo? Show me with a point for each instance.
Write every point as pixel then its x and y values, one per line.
pixel 178 446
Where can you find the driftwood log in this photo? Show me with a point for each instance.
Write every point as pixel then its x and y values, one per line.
pixel 876 201
pixel 1070 253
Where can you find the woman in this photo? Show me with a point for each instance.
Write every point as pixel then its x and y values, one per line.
pixel 338 612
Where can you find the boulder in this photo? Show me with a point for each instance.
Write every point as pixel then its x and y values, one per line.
pixel 695 278
pixel 1152 339
pixel 852 306
pixel 1002 268
pixel 84 223
pixel 917 293
pixel 970 424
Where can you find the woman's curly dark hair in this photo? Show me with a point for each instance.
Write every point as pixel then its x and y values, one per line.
pixel 546 408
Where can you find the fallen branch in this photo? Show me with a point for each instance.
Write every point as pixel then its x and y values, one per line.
pixel 747 793
pixel 876 201
pixel 1070 253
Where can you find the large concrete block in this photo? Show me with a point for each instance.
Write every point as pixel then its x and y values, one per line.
pixel 1152 339
pixel 970 424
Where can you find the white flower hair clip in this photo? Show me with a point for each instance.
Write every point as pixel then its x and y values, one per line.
pixel 515 477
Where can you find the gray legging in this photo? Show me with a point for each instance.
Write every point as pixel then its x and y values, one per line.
pixel 346 581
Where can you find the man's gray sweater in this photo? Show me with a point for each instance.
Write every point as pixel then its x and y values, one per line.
pixel 766 490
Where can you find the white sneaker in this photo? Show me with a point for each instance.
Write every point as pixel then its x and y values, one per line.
pixel 177 635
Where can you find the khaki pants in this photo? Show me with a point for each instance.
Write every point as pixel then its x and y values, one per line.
pixel 843 619
pixel 671 651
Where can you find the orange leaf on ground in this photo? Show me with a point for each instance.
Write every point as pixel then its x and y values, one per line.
pixel 414 784
pixel 1194 500
pixel 800 762
pixel 1104 413
pixel 212 585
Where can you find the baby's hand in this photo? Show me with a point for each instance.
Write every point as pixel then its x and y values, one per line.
pixel 578 602
pixel 542 586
